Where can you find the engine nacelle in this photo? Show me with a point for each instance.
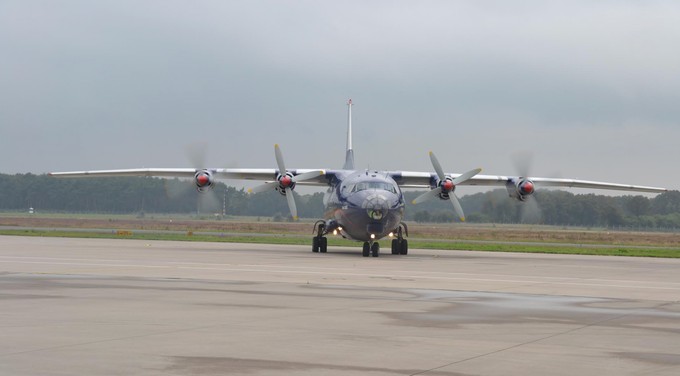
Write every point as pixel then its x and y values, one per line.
pixel 203 180
pixel 520 189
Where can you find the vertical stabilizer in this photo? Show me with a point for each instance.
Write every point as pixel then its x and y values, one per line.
pixel 349 156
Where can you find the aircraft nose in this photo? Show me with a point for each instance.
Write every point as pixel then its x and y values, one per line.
pixel 376 206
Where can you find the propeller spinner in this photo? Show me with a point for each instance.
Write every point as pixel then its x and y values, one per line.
pixel 203 180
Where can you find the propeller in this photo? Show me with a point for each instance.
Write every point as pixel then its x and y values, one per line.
pixel 202 181
pixel 285 182
pixel 447 186
pixel 530 211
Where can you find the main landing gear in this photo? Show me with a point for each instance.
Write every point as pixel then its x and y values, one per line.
pixel 400 245
pixel 320 242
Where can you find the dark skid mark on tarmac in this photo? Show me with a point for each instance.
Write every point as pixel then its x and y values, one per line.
pixel 656 358
pixel 189 365
pixel 460 308
pixel 49 282
pixel 245 306
pixel 4 296
pixel 671 307
pixel 399 294
pixel 45 282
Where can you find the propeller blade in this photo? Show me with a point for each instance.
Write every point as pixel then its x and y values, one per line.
pixel 437 166
pixel 196 153
pixel 269 186
pixel 279 159
pixel 466 176
pixel 308 175
pixel 456 206
pixel 522 162
pixel 429 195
pixel 209 202
pixel 530 211
pixel 291 203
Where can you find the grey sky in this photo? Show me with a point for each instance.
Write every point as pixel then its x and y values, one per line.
pixel 593 88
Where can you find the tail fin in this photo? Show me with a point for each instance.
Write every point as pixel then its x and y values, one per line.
pixel 349 156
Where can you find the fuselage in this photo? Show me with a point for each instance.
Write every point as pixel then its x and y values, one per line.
pixel 364 205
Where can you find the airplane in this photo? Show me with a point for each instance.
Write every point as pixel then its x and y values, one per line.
pixel 360 204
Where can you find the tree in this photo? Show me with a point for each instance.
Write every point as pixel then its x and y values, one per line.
pixel 638 205
pixel 422 216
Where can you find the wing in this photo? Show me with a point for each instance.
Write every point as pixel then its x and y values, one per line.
pixel 160 172
pixel 411 179
pixel 257 174
pixel 405 179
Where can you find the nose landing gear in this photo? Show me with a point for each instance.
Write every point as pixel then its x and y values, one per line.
pixel 371 249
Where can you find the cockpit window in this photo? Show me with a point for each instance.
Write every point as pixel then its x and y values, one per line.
pixel 365 185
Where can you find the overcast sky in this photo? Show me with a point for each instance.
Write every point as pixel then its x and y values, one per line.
pixel 592 88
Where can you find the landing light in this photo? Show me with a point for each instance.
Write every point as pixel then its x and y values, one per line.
pixel 339 228
pixel 390 234
pixel 335 232
pixel 372 236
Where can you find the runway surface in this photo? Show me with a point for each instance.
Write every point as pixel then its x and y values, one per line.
pixel 127 307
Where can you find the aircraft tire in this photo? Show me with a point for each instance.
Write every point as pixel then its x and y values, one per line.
pixel 323 245
pixel 403 249
pixel 396 249
pixel 366 250
pixel 375 250
pixel 315 244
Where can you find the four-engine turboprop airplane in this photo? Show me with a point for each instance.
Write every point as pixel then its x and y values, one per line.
pixel 364 205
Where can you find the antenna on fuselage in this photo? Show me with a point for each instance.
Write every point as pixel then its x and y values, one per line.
pixel 349 156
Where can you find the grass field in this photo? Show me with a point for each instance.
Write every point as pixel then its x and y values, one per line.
pixel 499 238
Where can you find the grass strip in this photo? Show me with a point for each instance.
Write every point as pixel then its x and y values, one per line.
pixel 413 243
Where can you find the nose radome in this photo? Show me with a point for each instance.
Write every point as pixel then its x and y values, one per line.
pixel 377 202
pixel 376 207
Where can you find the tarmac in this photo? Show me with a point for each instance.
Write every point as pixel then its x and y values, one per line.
pixel 128 307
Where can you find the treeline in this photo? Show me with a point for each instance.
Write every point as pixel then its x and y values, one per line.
pixel 124 195
pixel 154 195
pixel 555 207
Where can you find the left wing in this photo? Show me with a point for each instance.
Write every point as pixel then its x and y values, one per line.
pixel 410 179
pixel 259 174
pixel 282 179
